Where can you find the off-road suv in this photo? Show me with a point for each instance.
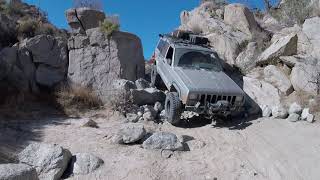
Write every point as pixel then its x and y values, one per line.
pixel 193 74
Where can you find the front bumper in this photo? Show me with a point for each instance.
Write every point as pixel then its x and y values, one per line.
pixel 220 108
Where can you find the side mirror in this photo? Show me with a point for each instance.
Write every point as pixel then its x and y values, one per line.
pixel 169 61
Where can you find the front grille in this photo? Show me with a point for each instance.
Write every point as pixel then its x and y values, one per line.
pixel 208 98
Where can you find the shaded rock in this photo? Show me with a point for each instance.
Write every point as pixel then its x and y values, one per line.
pixel 49 76
pixel 304 78
pixel 260 92
pixel 147 96
pixel 48 50
pixel 278 78
pixel 266 111
pixel 295 108
pixel 293 117
pixel 163 140
pixel 142 84
pixel 85 163
pixel 123 85
pixel 131 133
pixel 285 46
pixel 195 144
pixel 90 123
pixel 84 18
pixel 50 161
pixel 7 31
pixel 279 112
pixel 246 60
pixel 17 172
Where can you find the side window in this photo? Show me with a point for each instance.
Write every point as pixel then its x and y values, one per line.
pixel 169 55
pixel 162 47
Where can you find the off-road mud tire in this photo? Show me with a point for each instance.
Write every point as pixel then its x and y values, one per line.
pixel 173 107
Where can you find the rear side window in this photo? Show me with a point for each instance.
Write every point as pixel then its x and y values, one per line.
pixel 163 47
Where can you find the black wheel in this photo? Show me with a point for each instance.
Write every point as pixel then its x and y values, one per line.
pixel 155 78
pixel 173 107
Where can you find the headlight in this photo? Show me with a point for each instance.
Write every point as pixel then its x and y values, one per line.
pixel 193 96
pixel 239 98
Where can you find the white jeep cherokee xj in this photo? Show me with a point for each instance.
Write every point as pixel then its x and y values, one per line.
pixel 194 77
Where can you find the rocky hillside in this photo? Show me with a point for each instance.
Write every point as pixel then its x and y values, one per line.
pixel 36 57
pixel 280 64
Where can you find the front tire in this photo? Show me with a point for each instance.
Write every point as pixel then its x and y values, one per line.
pixel 173 107
pixel 155 77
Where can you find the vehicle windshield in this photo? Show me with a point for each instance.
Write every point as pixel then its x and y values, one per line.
pixel 198 60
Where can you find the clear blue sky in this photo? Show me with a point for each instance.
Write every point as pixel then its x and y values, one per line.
pixel 145 18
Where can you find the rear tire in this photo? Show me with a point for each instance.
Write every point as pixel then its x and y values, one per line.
pixel 173 107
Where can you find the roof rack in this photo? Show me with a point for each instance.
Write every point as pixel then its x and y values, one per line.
pixel 187 38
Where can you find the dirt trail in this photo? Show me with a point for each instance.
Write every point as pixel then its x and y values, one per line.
pixel 264 149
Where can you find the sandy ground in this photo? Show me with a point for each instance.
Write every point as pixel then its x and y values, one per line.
pixel 264 148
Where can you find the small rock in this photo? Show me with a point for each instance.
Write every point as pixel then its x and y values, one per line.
pixel 266 111
pixel 295 108
pixel 90 123
pixel 293 117
pixel 305 113
pixel 279 112
pixel 49 160
pixel 163 140
pixel 158 107
pixel 310 118
pixel 149 113
pixel 132 117
pixel 195 144
pixel 84 163
pixel 132 132
pixel 17 172
pixel 142 84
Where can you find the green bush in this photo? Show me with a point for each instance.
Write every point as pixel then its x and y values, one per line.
pixel 27 28
pixel 108 27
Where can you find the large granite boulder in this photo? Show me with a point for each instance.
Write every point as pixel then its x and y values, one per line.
pixel 285 46
pixel 49 160
pixel 311 29
pixel 241 18
pixel 304 78
pixel 50 55
pixel 247 58
pixel 260 92
pixel 226 41
pixel 278 78
pixel 17 172
pixel 99 62
pixel 82 19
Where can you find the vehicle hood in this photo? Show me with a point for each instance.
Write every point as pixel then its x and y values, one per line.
pixel 204 81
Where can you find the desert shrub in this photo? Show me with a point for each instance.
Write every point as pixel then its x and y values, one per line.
pixel 75 99
pixel 93 4
pixel 119 100
pixel 109 27
pixel 27 28
pixel 12 8
pixel 45 28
